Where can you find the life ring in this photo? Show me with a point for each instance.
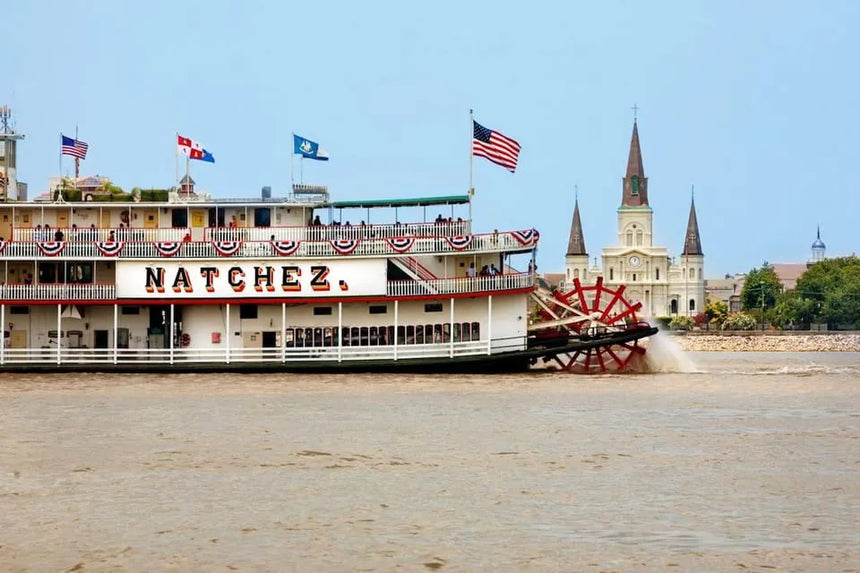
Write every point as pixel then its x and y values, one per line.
pixel 124 216
pixel 185 339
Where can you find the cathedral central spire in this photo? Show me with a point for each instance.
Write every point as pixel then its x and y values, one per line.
pixel 635 189
pixel 576 243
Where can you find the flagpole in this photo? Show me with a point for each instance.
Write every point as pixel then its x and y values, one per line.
pixel 292 176
pixel 77 159
pixel 61 155
pixel 187 173
pixel 176 161
pixel 471 155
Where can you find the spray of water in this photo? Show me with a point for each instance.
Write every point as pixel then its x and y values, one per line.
pixel 664 354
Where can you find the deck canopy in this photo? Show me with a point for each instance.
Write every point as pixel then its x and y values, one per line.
pixel 416 202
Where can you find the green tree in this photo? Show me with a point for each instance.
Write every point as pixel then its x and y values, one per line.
pixel 761 289
pixel 830 291
pixel 716 311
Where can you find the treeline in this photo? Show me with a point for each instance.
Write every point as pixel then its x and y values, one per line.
pixel 828 293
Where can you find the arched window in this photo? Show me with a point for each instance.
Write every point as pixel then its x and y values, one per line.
pixel 611 273
pixel 576 273
pixel 639 236
pixel 674 306
pixel 692 304
pixel 658 273
pixel 634 277
pixel 692 273
pixel 629 238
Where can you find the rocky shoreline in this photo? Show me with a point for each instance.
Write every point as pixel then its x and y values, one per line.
pixel 767 341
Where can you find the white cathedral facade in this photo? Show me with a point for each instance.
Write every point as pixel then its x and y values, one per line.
pixel 665 286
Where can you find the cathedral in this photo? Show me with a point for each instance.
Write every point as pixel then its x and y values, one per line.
pixel 664 285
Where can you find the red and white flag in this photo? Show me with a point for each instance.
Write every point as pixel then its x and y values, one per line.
pixel 193 149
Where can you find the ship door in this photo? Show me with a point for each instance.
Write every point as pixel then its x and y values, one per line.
pixel 100 339
pixel 18 339
pixel 270 339
pixel 6 226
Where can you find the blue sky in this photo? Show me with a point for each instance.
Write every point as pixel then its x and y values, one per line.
pixel 754 103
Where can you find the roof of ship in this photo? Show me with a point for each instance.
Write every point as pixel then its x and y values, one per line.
pixel 412 202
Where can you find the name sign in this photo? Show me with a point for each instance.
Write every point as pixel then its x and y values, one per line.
pixel 174 279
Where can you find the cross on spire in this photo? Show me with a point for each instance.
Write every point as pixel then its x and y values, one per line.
pixel 635 109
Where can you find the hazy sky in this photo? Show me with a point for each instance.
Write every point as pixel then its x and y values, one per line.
pixel 754 103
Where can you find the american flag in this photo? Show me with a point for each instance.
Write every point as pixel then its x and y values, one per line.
pixel 74 147
pixel 494 146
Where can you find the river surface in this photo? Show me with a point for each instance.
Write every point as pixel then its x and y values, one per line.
pixel 743 462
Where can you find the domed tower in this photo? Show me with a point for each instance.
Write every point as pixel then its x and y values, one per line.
pixel 818 247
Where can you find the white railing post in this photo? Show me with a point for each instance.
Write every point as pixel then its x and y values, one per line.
pixel 172 325
pixel 489 324
pixel 227 335
pixel 340 331
pixel 451 331
pixel 396 307
pixel 115 332
pixel 3 334
pixel 59 331
pixel 283 333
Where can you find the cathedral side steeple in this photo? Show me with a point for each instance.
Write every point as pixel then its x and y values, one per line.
pixel 692 242
pixel 576 243
pixel 635 184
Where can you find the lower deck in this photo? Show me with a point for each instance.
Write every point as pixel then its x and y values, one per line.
pixel 312 335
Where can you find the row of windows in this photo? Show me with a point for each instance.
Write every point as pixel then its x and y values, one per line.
pixel 382 335
pixel 250 311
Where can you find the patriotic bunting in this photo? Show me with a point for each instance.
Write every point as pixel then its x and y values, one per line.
pixel 51 248
pixel 110 249
pixel 286 248
pixel 527 237
pixel 227 248
pixel 3 244
pixel 168 248
pixel 401 244
pixel 344 246
pixel 460 242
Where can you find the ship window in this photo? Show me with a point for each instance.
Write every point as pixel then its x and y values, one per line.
pixel 374 336
pixel 446 332
pixel 247 311
pixel 476 331
pixel 456 332
pixel 467 332
pixel 179 218
pixel 428 333
pixel 356 336
pixel 262 217
pixel 19 310
pixel 322 311
pixel 378 309
pixel 419 334
pixel 126 310
pixel 401 335
pixel 364 337
pixel 437 334
pixel 433 307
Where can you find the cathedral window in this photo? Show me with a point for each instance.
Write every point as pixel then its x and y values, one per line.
pixel 639 237
pixel 658 273
pixel 692 304
pixel 629 238
pixel 634 185
pixel 674 306
pixel 611 273
pixel 576 273
pixel 692 273
pixel 634 277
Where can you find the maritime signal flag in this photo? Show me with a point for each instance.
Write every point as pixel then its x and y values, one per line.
pixel 74 147
pixel 193 149
pixel 494 146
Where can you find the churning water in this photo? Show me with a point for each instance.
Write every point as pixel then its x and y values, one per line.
pixel 740 462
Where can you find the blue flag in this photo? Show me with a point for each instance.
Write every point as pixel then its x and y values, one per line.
pixel 308 148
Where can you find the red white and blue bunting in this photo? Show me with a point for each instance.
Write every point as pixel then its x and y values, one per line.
pixel 168 248
pixel 286 248
pixel 344 246
pixel 3 243
pixel 227 248
pixel 51 248
pixel 459 242
pixel 400 244
pixel 110 248
pixel 527 237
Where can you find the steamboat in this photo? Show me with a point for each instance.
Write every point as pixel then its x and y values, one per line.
pixel 95 279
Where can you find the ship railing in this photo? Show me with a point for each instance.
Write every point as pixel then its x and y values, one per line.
pixel 128 356
pixel 337 232
pixel 100 234
pixel 489 242
pixel 57 291
pixel 460 285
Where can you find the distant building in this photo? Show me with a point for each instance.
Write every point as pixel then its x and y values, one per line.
pixel 664 287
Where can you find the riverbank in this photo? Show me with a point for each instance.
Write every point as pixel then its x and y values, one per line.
pixel 781 341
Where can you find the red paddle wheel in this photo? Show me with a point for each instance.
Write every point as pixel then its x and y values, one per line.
pixel 589 314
